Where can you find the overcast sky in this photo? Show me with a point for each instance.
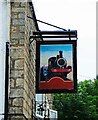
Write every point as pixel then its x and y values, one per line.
pixel 77 15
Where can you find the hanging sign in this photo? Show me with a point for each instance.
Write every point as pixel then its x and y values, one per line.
pixel 56 66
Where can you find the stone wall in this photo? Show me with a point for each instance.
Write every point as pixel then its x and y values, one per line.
pixel 22 63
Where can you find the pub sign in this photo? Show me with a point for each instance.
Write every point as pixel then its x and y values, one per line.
pixel 56 66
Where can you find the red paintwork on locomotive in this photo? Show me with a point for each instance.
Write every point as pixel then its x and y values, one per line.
pixel 61 70
pixel 56 83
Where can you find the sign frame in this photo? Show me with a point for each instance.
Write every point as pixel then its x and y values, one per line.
pixel 38 66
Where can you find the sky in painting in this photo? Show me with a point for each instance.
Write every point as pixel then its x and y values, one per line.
pixel 47 51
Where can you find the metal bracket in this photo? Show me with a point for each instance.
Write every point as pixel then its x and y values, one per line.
pixel 70 34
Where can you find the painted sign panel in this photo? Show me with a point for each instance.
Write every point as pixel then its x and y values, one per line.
pixel 56 69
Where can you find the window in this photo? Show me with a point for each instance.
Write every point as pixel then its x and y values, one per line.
pixel 53 114
pixel 39 105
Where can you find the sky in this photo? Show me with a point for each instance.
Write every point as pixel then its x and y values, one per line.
pixel 47 51
pixel 77 15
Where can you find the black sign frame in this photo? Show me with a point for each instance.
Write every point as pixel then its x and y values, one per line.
pixel 38 67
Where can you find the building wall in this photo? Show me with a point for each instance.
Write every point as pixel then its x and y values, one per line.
pixel 22 62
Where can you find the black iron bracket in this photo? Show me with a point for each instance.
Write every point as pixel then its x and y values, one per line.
pixel 47 23
pixel 70 34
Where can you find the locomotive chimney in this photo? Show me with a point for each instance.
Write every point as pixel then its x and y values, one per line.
pixel 57 57
pixel 60 54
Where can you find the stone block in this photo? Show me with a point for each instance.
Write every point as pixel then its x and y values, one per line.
pixel 25 112
pixel 12 83
pixel 17 35
pixel 14 41
pixel 23 1
pixel 25 97
pixel 10 102
pixel 16 4
pixel 19 82
pixel 16 93
pixel 19 10
pixel 17 117
pixel 17 52
pixel 17 102
pixel 23 4
pixel 21 28
pixel 21 15
pixel 17 74
pixel 14 110
pixel 19 63
pixel 18 22
pixel 11 63
pixel 21 41
pixel 14 29
pixel 14 15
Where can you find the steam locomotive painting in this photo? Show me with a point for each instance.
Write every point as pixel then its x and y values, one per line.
pixel 57 67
